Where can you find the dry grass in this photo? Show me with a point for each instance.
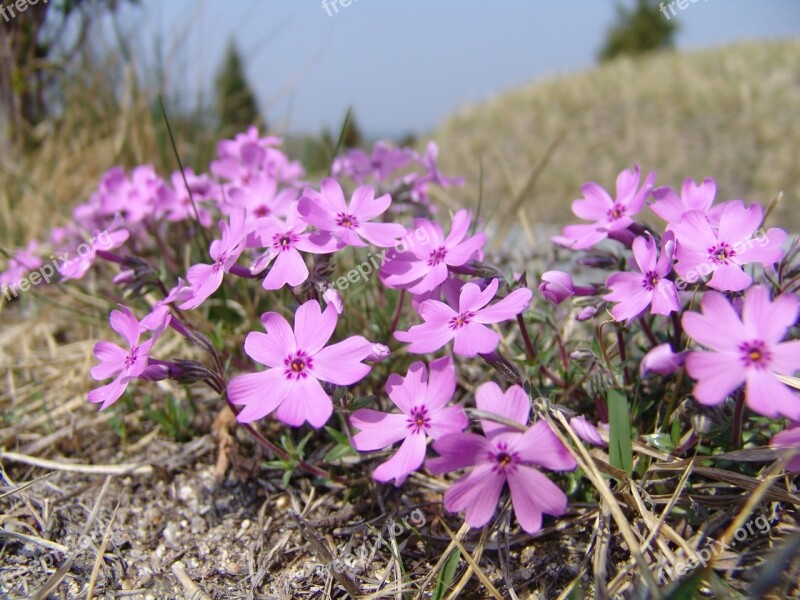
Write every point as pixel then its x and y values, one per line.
pixel 731 113
pixel 179 521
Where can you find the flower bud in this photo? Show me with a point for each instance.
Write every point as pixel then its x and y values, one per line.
pixel 660 360
pixel 556 286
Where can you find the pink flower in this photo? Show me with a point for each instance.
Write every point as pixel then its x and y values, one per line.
pixel 746 350
pixel 384 160
pixel 328 211
pixel 424 265
pixel 671 207
pixel 609 215
pixel 123 365
pixel 467 325
pixel 661 360
pixel 650 286
pixel 176 201
pixel 298 360
pixel 503 455
pixel 76 267
pixel 789 439
pixel 702 251
pixel 556 286
pixel 586 431
pixel 205 279
pixel 261 198
pixel 284 240
pixel 424 414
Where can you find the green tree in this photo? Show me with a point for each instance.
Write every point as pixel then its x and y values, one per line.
pixel 237 107
pixel 640 29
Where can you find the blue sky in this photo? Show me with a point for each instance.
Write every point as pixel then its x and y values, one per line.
pixel 405 64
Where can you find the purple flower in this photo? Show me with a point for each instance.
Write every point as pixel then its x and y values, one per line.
pixel 424 265
pixel 424 414
pixel 176 201
pixel 586 431
pixel 284 240
pixel 467 325
pixel 205 279
pixel 248 155
pixel 123 365
pixel 503 455
pixel 661 360
pixel 328 211
pixel 608 215
pixel 384 160
pixel 298 360
pixel 746 350
pixel 261 198
pixel 19 265
pixel 789 439
pixel 671 207
pixel 702 250
pixel 650 286
pixel 76 267
pixel 556 286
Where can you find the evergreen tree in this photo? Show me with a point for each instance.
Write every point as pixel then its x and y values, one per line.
pixel 640 29
pixel 237 107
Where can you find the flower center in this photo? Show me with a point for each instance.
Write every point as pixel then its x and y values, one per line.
pixel 437 256
pixel 721 253
pixel 459 321
pixel 297 365
pixel 130 360
pixel 650 280
pixel 505 461
pixel 262 211
pixel 284 241
pixel 345 220
pixel 418 419
pixel 755 354
pixel 616 212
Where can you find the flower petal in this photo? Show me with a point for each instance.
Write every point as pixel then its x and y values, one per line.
pixel 305 401
pixel 717 374
pixel 768 396
pixel 514 405
pixel 408 458
pixel 313 327
pixel 477 494
pixel 532 494
pixel 260 393
pixel 540 446
pixel 378 430
pixel 341 363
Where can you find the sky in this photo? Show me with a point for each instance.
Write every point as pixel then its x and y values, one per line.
pixel 404 65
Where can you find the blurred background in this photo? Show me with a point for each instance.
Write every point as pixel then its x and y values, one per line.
pixel 538 96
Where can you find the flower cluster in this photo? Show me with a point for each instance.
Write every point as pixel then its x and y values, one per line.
pixel 717 253
pixel 253 218
pixel 207 254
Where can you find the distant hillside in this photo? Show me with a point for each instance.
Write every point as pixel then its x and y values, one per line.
pixel 731 113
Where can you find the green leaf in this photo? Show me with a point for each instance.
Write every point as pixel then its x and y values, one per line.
pixel 338 436
pixel 446 575
pixel 660 441
pixel 338 451
pixel 619 448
